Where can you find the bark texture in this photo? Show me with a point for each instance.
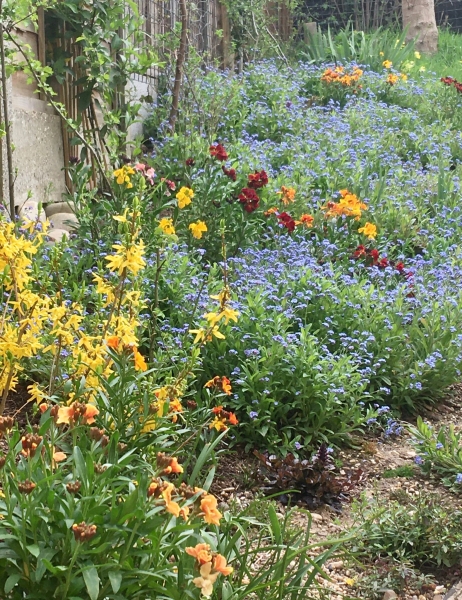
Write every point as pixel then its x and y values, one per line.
pixel 419 18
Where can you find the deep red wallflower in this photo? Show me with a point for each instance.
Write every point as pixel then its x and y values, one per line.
pixel 190 162
pixel 383 262
pixel 286 220
pixel 448 80
pixel 399 267
pixel 258 179
pixel 217 151
pixel 374 254
pixel 231 173
pixel 360 251
pixel 249 199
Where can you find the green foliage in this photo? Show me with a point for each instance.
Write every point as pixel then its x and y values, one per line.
pixel 404 471
pixel 420 531
pixel 439 452
pixel 349 45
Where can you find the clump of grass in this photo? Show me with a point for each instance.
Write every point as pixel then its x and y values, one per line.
pixel 404 471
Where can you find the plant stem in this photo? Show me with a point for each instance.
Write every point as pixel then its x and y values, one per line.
pixel 179 66
pixel 9 146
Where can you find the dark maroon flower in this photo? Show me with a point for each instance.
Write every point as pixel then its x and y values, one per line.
pixel 217 151
pixel 231 173
pixel 258 179
pixel 374 254
pixel 286 220
pixel 249 199
pixel 360 251
pixel 190 162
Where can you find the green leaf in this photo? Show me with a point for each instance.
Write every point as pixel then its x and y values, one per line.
pixel 11 582
pixel 90 576
pixel 34 550
pixel 116 580
pixel 275 525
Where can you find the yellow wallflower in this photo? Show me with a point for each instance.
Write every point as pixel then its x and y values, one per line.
pixel 122 176
pixel 167 226
pixel 417 55
pixel 369 230
pixel 184 196
pixel 197 229
pixel 387 64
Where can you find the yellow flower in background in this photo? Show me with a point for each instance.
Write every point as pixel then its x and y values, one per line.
pixel 417 55
pixel 403 76
pixel 197 229
pixel 387 64
pixel 381 54
pixel 184 196
pixel 369 230
pixel 167 226
pixel 422 69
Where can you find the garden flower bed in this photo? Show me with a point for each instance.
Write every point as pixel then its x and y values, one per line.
pixel 283 275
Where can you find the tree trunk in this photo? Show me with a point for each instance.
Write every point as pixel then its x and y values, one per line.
pixel 419 18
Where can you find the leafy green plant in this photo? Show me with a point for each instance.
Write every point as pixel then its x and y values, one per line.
pixel 439 452
pixel 404 471
pixel 419 530
pixel 358 47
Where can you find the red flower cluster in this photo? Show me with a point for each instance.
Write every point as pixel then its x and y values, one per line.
pixel 286 220
pixel 372 258
pixel 217 151
pixel 258 179
pixel 451 81
pixel 231 173
pixel 249 199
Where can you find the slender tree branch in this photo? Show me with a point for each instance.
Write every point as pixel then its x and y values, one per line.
pixel 179 66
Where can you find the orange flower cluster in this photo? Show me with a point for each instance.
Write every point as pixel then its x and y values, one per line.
pixel 204 505
pixel 168 464
pixel 222 384
pixel 306 220
pixel 76 412
pixel 221 418
pixel 210 564
pixel 287 195
pixel 83 532
pixel 348 206
pixel 30 442
pixel 113 341
pixel 338 75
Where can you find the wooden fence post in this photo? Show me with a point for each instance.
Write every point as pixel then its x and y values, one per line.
pixel 227 54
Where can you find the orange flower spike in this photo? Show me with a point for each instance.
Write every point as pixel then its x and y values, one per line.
pixel 43 407
pixel 219 565
pixel 174 466
pixel 217 410
pixel 171 506
pixel 201 553
pixel 184 512
pixel 59 456
pixel 212 515
pixel 113 342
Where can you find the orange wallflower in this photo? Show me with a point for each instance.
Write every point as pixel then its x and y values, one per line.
pixel 219 564
pixel 201 552
pixel 288 195
pixel 140 363
pixel 212 515
pixel 222 383
pixel 113 342
pixel 70 414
